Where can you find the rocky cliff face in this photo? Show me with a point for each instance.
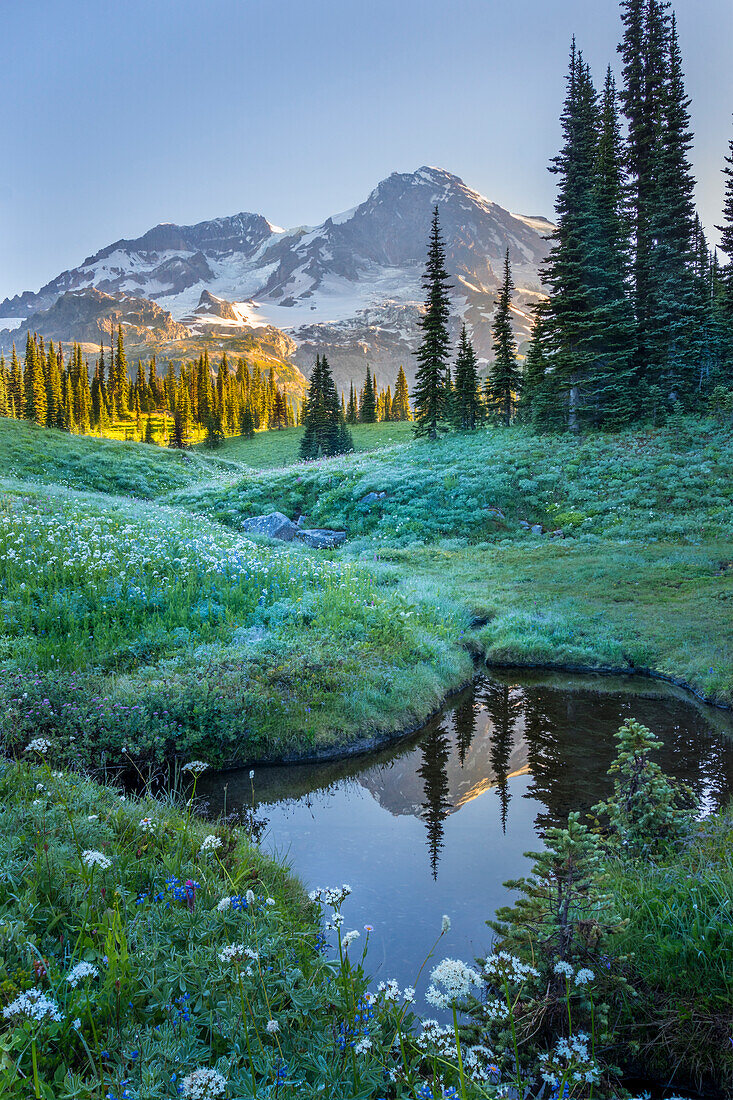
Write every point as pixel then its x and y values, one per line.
pixel 350 287
pixel 92 317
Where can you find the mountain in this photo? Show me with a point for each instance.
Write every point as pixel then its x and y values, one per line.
pixel 350 287
pixel 90 317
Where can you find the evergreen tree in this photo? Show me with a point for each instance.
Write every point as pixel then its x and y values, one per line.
pixel 466 408
pixel 149 433
pixel 17 396
pixel 368 410
pixel 504 372
pixel 352 408
pixel 34 386
pixel 726 229
pixel 430 393
pixel 248 421
pixel 119 372
pixel 401 401
pixel 325 433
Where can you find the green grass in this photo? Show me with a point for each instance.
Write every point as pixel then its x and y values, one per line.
pixel 49 457
pixel 673 485
pixel 271 450
pixel 679 939
pixel 134 630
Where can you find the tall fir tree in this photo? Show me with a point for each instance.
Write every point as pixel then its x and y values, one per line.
pixel 466 404
pixel 430 394
pixel 368 408
pixel 726 230
pixel 34 385
pixel 325 433
pixel 401 401
pixel 504 374
pixel 120 376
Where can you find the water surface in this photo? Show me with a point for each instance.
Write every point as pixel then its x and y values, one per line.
pixel 438 823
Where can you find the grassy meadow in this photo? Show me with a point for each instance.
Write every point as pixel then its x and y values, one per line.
pixel 138 622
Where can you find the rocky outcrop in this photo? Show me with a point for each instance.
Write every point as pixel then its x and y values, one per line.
pixel 276 525
pixel 91 317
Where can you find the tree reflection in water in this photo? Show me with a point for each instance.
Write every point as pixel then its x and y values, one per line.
pixel 435 748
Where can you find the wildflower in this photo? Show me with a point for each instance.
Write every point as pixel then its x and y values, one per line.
pixel 331 895
pixel 34 1005
pixel 90 858
pixel 211 843
pixel 270 901
pixel 456 979
pixel 147 825
pixel 272 1026
pixel 362 1045
pixel 76 1024
pixel 236 952
pixel 93 817
pixel 41 745
pixel 224 904
pixel 368 928
pixel 250 897
pixel 564 968
pixel 195 767
pixel 349 939
pixel 445 924
pixel 79 972
pixel 251 774
pixel 502 967
pixel 584 976
pixel 203 1084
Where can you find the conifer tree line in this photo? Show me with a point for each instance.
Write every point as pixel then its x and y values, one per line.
pixel 639 319
pixel 372 405
pixel 453 395
pixel 59 392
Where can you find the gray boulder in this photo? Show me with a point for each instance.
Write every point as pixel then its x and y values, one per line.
pixel 537 529
pixel 275 525
pixel 371 497
pixel 321 538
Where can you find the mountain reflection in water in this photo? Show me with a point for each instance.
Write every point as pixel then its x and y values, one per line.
pixel 438 823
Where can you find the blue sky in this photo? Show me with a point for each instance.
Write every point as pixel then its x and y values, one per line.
pixel 119 115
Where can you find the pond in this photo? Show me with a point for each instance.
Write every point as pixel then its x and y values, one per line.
pixel 438 823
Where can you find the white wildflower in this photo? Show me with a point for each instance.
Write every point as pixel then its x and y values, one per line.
pixel 445 924
pixel 34 1005
pixel 90 858
pixel 211 843
pixel 204 1084
pixel 251 774
pixel 349 939
pixel 502 967
pixel 408 994
pixel 272 1026
pixel 236 952
pixel 250 897
pixel 76 1024
pixel 224 904
pixel 147 825
pixel 270 901
pixel 362 1045
pixel 195 767
pixel 564 968
pixel 79 972
pixel 584 976
pixel 456 980
pixel 330 895
pixel 40 745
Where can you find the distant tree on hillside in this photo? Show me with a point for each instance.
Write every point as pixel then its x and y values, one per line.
pixel 325 432
pixel 466 406
pixel 401 400
pixel 504 377
pixel 430 395
pixel 368 407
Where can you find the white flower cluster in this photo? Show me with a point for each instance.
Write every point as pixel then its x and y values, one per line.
pixel 570 1061
pixel 79 972
pixel 503 967
pixel 147 825
pixel 34 1005
pixel 272 1027
pixel 362 1045
pixel 456 980
pixel 90 858
pixel 349 938
pixel 237 952
pixel 337 919
pixel 40 745
pixel 496 1011
pixel 211 843
pixel 391 992
pixel 195 767
pixel 330 895
pixel 224 905
pixel 204 1084
pixel 441 1042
